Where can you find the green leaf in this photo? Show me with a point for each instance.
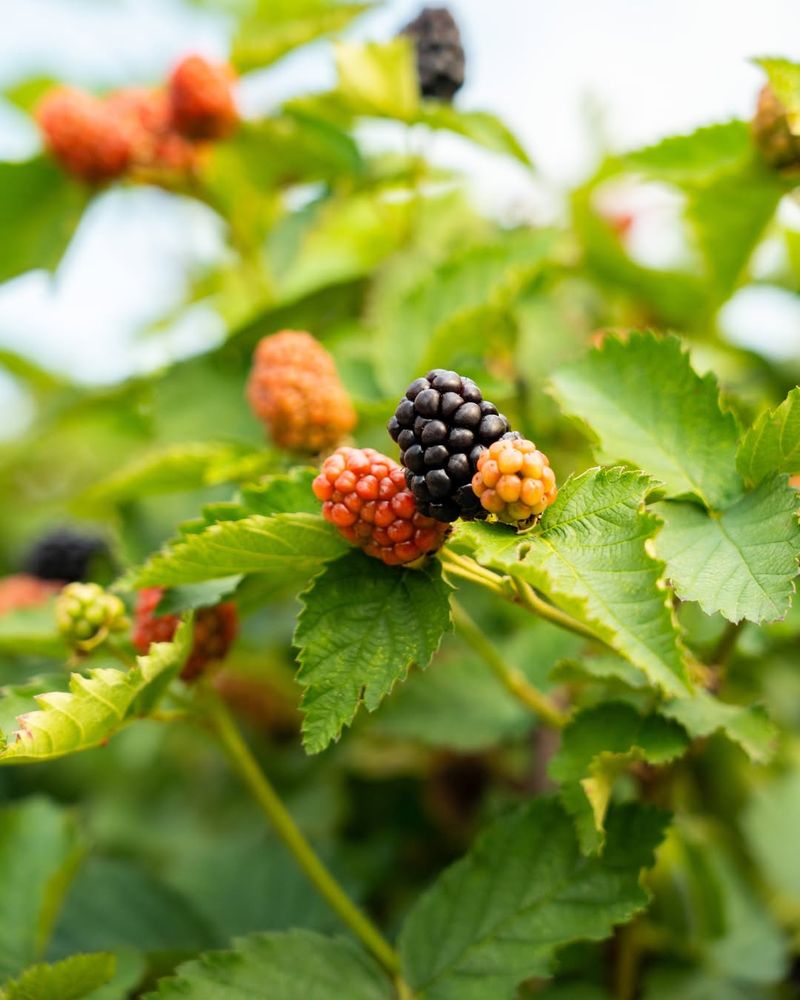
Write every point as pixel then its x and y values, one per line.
pixel 97 705
pixel 31 631
pixel 72 979
pixel 26 94
pixel 275 27
pixel 38 854
pixel 176 468
pixel 283 494
pixel 597 745
pixel 773 442
pixel 297 965
pixel 784 79
pixel 647 406
pixel 41 206
pixel 741 562
pixel 598 668
pixel 289 547
pixel 668 983
pixel 588 555
pixel 379 78
pixel 747 725
pixel 191 596
pixel 480 127
pixel 697 157
pixel 770 824
pixel 497 916
pixel 362 626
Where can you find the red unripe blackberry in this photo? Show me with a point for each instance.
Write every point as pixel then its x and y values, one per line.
pixel 24 591
pixel 443 425
pixel 147 118
pixel 295 390
pixel 214 630
pixel 440 54
pixel 514 481
pixel 779 147
pixel 84 135
pixel 365 495
pixel 201 99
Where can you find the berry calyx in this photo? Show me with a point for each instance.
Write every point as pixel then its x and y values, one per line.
pixel 201 99
pixel 778 145
pixel 443 425
pixel 24 591
pixel 215 629
pixel 295 390
pixel 65 555
pixel 86 615
pixel 85 136
pixel 440 54
pixel 514 480
pixel 364 494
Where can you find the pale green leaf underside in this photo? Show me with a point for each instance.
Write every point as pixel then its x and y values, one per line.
pixel 295 965
pixel 362 626
pixel 596 745
pixel 73 979
pixel 773 442
pixel 648 407
pixel 588 556
pixel 290 546
pixel 97 705
pixel 497 916
pixel 741 563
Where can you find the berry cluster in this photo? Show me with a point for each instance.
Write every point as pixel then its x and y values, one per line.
pixel 440 54
pixel 364 494
pixel 295 390
pixel 100 139
pixel 514 481
pixel 23 591
pixel 86 615
pixel 778 145
pixel 64 555
pixel 443 425
pixel 215 629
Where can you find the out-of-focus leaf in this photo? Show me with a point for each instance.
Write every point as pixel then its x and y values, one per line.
pixel 197 595
pixel 41 206
pixel 784 79
pixel 379 78
pixel 481 127
pixel 30 631
pixel 73 979
pixel 770 822
pixel 773 442
pixel 747 725
pixel 26 94
pixel 697 157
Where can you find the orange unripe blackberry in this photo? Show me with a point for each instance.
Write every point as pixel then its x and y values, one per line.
pixel 24 591
pixel 84 135
pixel 201 99
pixel 777 144
pixel 364 494
pixel 155 145
pixel 514 480
pixel 295 390
pixel 215 629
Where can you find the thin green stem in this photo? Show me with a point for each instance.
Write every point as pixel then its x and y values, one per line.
pixel 248 769
pixel 529 599
pixel 511 678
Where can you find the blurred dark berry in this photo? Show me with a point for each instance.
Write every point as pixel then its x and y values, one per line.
pixel 440 54
pixel 778 145
pixel 65 555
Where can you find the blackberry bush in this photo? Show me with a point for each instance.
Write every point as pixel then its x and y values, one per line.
pixel 442 426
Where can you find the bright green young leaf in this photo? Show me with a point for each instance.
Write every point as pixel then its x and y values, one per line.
pixel 646 405
pixel 41 206
pixel 480 127
pixel 73 979
pixel 498 916
pixel 379 78
pixel 773 442
pixel 748 725
pixel 589 556
pixel 597 745
pixel 288 547
pixel 26 94
pixel 784 79
pixel 275 27
pixel 698 157
pixel 295 965
pixel 741 562
pixel 38 855
pixel 363 625
pixel 97 705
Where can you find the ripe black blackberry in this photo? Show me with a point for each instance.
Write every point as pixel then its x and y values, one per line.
pixel 65 555
pixel 440 54
pixel 443 425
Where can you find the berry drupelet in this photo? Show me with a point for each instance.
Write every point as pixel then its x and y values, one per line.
pixel 443 425
pixel 364 494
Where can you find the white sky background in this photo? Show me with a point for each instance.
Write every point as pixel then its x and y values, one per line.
pixel 651 67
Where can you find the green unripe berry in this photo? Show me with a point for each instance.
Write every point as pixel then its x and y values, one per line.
pixel 86 615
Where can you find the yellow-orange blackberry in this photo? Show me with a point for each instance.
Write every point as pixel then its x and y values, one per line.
pixel 514 481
